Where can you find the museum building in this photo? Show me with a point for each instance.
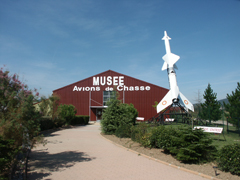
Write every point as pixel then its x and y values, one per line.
pixel 90 95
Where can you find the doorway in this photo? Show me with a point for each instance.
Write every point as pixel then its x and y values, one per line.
pixel 99 114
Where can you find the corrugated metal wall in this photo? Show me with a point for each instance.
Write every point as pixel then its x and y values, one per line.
pixel 79 94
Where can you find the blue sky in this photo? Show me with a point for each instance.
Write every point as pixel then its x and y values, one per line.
pixel 53 43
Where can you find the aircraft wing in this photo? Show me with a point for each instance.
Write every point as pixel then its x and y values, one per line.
pixel 165 102
pixel 164 66
pixel 170 58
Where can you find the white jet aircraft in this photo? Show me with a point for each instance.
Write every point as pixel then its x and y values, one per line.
pixel 174 96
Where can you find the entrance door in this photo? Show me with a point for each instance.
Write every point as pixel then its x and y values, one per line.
pixel 99 114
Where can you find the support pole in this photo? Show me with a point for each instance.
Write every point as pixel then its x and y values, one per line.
pixel 89 105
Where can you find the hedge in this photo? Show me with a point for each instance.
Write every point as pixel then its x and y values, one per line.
pixel 80 120
pixel 47 122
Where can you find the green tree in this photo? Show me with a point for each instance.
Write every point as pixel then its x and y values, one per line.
pixel 210 109
pixel 233 108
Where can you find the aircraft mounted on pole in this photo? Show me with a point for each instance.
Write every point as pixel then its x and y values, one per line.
pixel 174 96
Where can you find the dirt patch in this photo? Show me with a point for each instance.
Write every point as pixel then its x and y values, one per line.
pixel 158 154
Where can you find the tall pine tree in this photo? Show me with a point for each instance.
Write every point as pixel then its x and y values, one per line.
pixel 233 108
pixel 211 107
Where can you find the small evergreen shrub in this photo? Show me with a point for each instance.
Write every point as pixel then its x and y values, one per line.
pixel 229 159
pixel 133 112
pixel 162 137
pixel 166 140
pixel 196 146
pixel 155 134
pixel 110 117
pixel 187 145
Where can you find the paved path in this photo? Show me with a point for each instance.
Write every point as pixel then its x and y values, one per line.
pixel 82 153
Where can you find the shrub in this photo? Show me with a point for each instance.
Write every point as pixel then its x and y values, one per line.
pixel 195 146
pixel 123 131
pixel 58 122
pixel 165 139
pixel 141 133
pixel 132 111
pixel 46 123
pixel 17 113
pixel 156 131
pixel 80 119
pixel 229 159
pixel 127 114
pixel 187 145
pixel 116 115
pixel 110 121
pixel 7 154
pixel 19 120
pixel 67 112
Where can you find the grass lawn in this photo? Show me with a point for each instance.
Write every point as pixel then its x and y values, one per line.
pixel 230 137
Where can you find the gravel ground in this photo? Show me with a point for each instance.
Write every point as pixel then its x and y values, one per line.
pixel 158 154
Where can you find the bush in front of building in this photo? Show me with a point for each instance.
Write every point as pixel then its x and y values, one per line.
pixel 46 123
pixel 67 112
pixel 124 131
pixel 229 159
pixel 185 144
pixel 133 111
pixel 193 146
pixel 117 115
pixel 141 133
pixel 80 120
pixel 162 138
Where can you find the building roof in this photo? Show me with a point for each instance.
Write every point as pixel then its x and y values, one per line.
pixel 107 73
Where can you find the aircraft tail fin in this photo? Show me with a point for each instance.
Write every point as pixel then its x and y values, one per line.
pixel 186 102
